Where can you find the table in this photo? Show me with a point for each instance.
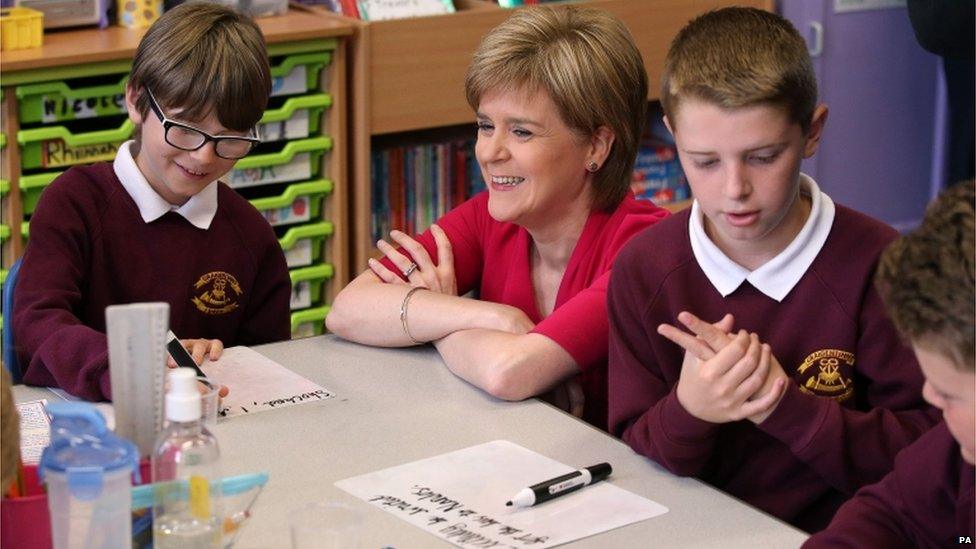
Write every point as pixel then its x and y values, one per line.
pixel 394 406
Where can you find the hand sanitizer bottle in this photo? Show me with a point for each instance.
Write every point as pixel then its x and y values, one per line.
pixel 186 513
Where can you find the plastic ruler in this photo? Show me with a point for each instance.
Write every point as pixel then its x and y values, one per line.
pixel 137 366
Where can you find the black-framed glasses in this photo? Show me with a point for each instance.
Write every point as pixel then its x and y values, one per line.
pixel 188 138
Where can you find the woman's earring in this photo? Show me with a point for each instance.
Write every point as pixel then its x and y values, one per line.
pixel 592 166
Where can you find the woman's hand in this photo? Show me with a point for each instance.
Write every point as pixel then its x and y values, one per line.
pixel 421 271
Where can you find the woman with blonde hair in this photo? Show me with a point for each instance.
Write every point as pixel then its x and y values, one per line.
pixel 560 96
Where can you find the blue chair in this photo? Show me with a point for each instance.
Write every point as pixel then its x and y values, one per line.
pixel 9 350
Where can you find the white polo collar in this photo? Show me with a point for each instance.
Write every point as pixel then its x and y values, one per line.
pixel 779 275
pixel 199 210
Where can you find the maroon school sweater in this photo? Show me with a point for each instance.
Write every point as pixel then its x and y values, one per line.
pixel 856 397
pixel 89 248
pixel 927 501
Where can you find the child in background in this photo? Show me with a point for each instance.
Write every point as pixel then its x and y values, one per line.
pixel 927 281
pixel 157 225
pixel 813 395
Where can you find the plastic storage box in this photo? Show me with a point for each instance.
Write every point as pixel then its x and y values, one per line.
pixel 67 100
pixel 306 285
pixel 58 146
pixel 21 28
pixel 310 322
pixel 299 203
pixel 303 244
pixel 296 161
pixel 297 118
pixel 297 73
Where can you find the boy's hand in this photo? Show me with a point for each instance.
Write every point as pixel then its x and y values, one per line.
pixel 772 390
pixel 200 349
pixel 421 272
pixel 712 338
pixel 717 389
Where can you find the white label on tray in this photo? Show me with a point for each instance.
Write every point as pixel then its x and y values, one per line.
pixel 293 82
pixel 299 168
pixel 300 254
pixel 295 127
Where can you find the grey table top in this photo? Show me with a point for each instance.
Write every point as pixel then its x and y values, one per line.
pixel 394 406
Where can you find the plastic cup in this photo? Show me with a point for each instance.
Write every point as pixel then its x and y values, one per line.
pixel 209 403
pixel 93 516
pixel 325 525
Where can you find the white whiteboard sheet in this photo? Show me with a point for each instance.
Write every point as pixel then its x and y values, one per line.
pixel 460 497
pixel 257 383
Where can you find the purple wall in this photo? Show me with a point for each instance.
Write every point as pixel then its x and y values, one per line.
pixel 882 146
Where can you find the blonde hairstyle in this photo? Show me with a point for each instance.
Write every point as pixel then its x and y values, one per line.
pixel 740 57
pixel 586 61
pixel 203 58
pixel 927 278
pixel 9 433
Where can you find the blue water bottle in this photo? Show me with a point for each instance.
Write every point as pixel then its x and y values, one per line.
pixel 88 472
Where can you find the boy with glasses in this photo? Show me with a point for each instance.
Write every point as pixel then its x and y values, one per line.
pixel 156 224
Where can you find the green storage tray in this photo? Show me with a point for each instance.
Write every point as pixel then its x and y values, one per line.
pixel 298 118
pixel 308 323
pixel 31 188
pixel 4 187
pixel 299 203
pixel 296 161
pixel 56 146
pixel 58 101
pixel 299 73
pixel 306 285
pixel 303 244
pixel 25 230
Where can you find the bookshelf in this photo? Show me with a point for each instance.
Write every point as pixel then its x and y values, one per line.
pixel 311 75
pixel 407 75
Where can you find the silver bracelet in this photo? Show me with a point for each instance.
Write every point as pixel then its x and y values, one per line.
pixel 403 313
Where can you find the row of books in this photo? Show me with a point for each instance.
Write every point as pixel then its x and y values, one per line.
pixel 379 10
pixel 414 186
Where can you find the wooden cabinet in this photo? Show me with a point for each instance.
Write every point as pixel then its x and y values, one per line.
pixel 408 75
pixel 297 179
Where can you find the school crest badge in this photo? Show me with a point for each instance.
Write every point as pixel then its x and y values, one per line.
pixel 828 373
pixel 216 293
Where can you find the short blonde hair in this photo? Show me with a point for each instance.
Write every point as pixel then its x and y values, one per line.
pixel 586 61
pixel 203 58
pixel 927 278
pixel 740 57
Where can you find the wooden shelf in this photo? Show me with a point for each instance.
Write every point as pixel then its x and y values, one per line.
pixel 86 46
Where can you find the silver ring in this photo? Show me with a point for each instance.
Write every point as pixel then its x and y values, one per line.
pixel 413 267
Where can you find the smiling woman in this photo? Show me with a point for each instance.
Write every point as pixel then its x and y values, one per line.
pixel 560 96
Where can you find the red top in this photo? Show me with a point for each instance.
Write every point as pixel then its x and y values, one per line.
pixel 494 258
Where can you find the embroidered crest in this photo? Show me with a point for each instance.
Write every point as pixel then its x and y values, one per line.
pixel 220 293
pixel 829 373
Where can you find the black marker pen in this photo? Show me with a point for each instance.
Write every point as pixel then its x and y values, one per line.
pixel 555 487
pixel 180 355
